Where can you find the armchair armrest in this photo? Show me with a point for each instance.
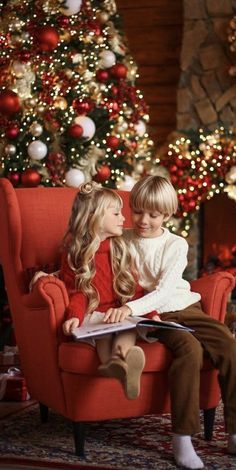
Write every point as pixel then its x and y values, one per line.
pixel 215 290
pixel 49 296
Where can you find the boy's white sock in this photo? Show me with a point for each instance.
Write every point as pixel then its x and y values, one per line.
pixel 232 444
pixel 184 453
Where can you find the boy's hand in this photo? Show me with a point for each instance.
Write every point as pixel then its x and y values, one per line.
pixel 69 325
pixel 156 318
pixel 115 315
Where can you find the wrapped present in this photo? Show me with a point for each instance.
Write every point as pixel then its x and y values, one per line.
pixel 9 356
pixel 13 386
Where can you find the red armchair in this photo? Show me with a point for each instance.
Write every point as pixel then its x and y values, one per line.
pixel 62 374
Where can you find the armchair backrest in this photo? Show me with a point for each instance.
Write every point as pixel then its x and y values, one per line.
pixel 33 222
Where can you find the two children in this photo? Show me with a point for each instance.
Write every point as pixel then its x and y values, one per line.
pixel 160 258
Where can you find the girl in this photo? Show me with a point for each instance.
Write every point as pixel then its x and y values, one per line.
pixel 96 271
pixel 161 258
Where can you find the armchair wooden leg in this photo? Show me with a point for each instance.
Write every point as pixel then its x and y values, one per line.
pixel 43 413
pixel 209 418
pixel 79 437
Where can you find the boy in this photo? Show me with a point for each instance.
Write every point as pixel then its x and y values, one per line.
pixel 161 258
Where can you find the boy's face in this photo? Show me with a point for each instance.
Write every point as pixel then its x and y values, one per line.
pixel 147 224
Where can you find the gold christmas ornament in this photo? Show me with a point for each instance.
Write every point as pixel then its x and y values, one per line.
pixel 60 103
pixel 10 149
pixel 102 16
pixel 36 129
pixel 110 6
pixel 65 36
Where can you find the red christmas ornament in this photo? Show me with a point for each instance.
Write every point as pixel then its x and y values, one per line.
pixel 63 21
pixel 102 75
pixel 47 38
pixel 112 106
pixel 12 132
pixel 103 173
pixel 83 106
pixel 113 142
pixel 9 102
pixel 114 90
pixel 75 131
pixel 119 71
pixel 30 178
pixel 14 178
pixel 24 56
pixel 94 26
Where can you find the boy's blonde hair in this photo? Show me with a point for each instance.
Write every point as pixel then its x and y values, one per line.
pixel 154 193
pixel 82 241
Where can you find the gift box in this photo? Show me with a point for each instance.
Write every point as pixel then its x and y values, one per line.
pixel 9 356
pixel 13 386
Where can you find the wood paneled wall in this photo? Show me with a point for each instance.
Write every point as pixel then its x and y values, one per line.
pixel 154 32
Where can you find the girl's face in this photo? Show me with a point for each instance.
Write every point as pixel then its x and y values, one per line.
pixel 147 224
pixel 113 220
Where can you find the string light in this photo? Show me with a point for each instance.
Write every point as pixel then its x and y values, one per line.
pixel 200 169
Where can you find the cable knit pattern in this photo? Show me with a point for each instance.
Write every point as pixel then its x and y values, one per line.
pixel 161 262
pixel 102 281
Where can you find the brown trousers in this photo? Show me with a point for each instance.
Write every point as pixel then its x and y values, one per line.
pixel 216 340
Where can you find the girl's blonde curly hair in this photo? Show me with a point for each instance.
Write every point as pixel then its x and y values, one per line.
pixel 82 241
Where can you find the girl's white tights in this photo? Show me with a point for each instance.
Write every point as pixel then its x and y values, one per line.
pixel 184 453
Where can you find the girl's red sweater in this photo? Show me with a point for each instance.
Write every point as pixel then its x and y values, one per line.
pixel 102 281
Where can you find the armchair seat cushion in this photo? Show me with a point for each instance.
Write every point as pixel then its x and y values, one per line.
pixel 81 358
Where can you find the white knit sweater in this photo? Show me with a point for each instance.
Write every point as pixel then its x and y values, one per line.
pixel 161 262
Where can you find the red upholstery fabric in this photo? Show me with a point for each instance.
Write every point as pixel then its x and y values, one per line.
pixel 60 373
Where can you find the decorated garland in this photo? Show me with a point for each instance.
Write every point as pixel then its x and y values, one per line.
pixel 199 167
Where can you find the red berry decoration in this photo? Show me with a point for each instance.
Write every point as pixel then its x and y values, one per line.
pixel 103 173
pixel 75 131
pixel 113 142
pixel 14 178
pixel 47 38
pixel 119 71
pixel 83 106
pixel 30 178
pixel 12 132
pixel 102 75
pixel 9 102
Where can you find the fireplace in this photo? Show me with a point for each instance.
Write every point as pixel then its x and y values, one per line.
pixel 218 235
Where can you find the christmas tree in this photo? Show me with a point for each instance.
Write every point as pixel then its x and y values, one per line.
pixel 69 107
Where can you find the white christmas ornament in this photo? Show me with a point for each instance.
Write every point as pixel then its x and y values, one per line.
pixel 88 126
pixel 127 184
pixel 74 178
pixel 107 59
pixel 140 128
pixel 37 150
pixel 71 7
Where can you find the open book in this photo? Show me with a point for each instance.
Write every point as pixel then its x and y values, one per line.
pixel 96 327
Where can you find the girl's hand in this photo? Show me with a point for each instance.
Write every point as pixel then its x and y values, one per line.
pixel 115 315
pixel 69 325
pixel 35 278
